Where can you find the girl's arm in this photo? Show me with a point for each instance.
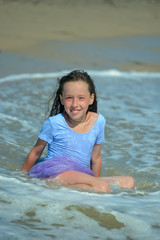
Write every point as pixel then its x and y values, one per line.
pixel 34 155
pixel 96 160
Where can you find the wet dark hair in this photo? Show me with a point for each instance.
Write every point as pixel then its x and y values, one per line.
pixel 73 76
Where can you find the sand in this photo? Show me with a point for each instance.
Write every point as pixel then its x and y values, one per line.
pixel 27 26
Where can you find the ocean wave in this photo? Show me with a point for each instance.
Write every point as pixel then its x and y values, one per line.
pixel 95 73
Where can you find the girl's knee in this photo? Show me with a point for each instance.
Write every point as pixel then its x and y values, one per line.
pixel 104 187
pixel 129 182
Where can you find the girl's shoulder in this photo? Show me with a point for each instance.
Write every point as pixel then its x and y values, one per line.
pixel 96 120
pixel 97 117
pixel 56 118
pixel 93 115
pixel 101 118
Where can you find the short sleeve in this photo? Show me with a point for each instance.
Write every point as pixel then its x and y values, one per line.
pixel 101 132
pixel 46 133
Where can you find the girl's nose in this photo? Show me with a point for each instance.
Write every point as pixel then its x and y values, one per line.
pixel 75 102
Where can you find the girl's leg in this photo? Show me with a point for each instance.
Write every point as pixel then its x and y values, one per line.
pixel 74 179
pixel 121 181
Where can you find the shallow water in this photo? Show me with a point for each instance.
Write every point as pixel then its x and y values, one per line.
pixel 130 102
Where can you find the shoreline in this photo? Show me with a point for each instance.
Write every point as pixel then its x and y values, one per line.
pixel 28 29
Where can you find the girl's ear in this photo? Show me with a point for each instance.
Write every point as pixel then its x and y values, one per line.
pixel 91 99
pixel 61 99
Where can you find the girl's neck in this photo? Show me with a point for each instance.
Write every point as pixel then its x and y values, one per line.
pixel 83 126
pixel 74 123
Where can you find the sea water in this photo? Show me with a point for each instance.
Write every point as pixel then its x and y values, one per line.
pixel 30 209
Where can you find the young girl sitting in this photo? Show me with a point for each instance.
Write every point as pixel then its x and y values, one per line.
pixel 74 133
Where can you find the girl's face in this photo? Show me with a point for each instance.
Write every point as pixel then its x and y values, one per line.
pixel 76 98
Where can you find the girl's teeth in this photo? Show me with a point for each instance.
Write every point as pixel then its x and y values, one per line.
pixel 75 111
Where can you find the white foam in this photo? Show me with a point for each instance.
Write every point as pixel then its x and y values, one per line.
pixel 24 123
pixel 123 74
pixel 19 77
pixel 94 73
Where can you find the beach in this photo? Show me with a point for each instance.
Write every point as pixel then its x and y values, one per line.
pixel 118 43
pixel 52 35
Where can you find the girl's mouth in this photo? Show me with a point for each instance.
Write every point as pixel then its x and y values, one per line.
pixel 75 111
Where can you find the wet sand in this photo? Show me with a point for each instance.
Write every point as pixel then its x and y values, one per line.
pixel 65 34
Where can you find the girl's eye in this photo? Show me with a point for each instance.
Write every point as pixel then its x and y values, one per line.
pixel 68 98
pixel 81 98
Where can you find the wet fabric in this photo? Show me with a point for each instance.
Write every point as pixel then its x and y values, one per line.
pixel 55 166
pixel 63 141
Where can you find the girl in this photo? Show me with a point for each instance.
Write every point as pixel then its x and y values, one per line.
pixel 74 132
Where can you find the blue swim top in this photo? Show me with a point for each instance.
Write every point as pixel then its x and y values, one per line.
pixel 63 141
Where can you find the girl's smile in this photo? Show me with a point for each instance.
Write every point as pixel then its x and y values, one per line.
pixel 74 112
pixel 76 99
